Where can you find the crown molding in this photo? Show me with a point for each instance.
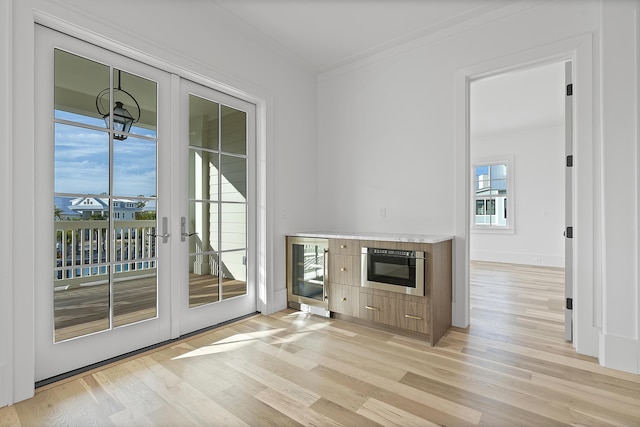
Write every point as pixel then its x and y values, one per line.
pixel 493 12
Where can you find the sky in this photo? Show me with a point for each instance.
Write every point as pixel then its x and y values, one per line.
pixel 82 160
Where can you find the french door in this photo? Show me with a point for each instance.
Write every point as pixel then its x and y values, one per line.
pixel 139 240
pixel 217 215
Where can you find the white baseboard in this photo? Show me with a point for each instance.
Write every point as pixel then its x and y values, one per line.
pixel 620 353
pixel 518 258
pixel 459 318
pixel 279 300
pixel 5 382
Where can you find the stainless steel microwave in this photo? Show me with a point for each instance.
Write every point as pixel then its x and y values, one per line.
pixel 394 270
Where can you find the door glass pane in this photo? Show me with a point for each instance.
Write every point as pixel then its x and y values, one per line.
pixel 77 83
pixel 203 260
pixel 134 292
pixel 135 279
pixel 233 226
pixel 139 97
pixel 234 274
pixel 134 167
pixel 81 159
pixel 203 221
pixel 203 179
pixel 234 131
pixel 234 179
pixel 203 279
pixel 81 276
pixel 203 123
pixel 105 251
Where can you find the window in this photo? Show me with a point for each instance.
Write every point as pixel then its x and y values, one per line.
pixel 492 188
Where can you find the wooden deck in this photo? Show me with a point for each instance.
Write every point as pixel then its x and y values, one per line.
pixel 84 310
pixel 511 367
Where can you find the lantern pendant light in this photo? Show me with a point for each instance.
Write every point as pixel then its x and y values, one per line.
pixel 122 119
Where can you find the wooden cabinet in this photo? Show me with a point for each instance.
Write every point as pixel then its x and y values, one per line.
pixel 344 247
pixel 344 269
pixel 344 277
pixel 344 299
pixel 405 313
pixel 428 315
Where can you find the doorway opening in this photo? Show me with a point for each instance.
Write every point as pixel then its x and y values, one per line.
pixel 517 196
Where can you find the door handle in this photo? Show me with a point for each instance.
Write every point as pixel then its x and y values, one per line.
pixel 165 234
pixel 183 230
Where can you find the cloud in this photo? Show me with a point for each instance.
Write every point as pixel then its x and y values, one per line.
pixel 82 163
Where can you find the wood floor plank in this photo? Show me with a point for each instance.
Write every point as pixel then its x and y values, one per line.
pixel 133 417
pixel 9 417
pixel 400 389
pixel 416 407
pixel 389 415
pixel 342 415
pixel 496 409
pixel 290 371
pixel 188 400
pixel 511 367
pixel 294 409
pixel 250 409
pixel 284 387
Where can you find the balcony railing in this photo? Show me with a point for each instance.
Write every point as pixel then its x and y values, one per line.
pixel 85 251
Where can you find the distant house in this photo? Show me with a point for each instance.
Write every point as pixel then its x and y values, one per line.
pixel 92 207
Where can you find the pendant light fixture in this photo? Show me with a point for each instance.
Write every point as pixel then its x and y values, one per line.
pixel 122 119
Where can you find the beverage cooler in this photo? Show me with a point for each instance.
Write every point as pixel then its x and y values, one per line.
pixel 307 274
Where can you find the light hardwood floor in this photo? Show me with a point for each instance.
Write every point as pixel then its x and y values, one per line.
pixel 511 367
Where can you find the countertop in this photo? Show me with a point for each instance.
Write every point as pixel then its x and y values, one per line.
pixel 387 237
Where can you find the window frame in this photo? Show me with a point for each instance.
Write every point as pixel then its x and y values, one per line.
pixel 509 228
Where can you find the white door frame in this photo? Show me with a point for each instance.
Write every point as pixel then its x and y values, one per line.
pixel 568 204
pixel 579 51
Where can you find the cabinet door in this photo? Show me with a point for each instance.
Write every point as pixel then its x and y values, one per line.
pixel 401 313
pixel 371 307
pixel 344 247
pixel 344 299
pixel 414 316
pixel 381 309
pixel 344 269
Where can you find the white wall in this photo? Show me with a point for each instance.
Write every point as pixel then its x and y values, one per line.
pixel 386 125
pixel 388 137
pixel 620 347
pixel 6 292
pixel 201 39
pixel 538 165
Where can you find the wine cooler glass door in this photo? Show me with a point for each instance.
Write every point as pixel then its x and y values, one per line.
pixel 307 271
